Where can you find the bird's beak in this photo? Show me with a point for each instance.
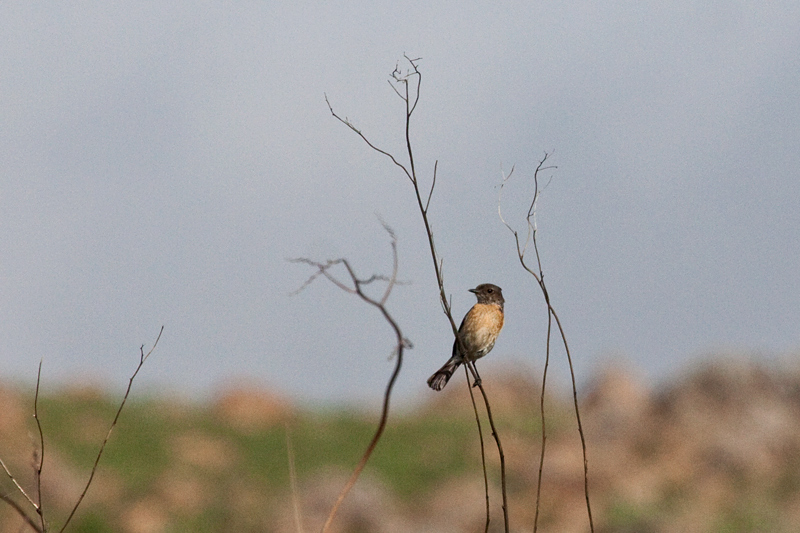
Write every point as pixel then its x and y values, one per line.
pixel 473 291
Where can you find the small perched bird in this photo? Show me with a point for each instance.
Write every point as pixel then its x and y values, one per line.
pixel 478 332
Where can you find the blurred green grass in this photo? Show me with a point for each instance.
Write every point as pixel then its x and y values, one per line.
pixel 150 441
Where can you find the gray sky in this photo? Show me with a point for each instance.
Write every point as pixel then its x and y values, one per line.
pixel 158 164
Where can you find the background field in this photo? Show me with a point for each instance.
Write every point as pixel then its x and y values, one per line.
pixel 713 450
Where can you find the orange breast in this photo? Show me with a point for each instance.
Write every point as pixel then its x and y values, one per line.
pixel 480 329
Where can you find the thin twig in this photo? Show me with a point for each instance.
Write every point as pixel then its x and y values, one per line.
pixel 40 465
pixel 544 423
pixel 539 277
pixel 474 370
pixel 19 487
pixel 142 358
pixel 347 123
pixel 433 185
pixel 577 418
pixel 483 450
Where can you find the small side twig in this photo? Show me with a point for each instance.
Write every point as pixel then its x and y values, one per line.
pixel 38 464
pixel 357 288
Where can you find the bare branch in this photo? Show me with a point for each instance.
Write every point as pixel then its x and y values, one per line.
pixel 411 102
pixel 402 343
pixel 323 269
pixel 500 204
pixel 552 315
pixel 544 423
pixel 478 383
pixel 393 278
pixel 418 74
pixel 531 218
pixel 398 93
pixel 142 358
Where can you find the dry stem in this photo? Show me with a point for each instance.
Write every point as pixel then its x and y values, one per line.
pixel 539 277
pixel 400 82
pixel 142 358
pixel 323 269
pixel 483 449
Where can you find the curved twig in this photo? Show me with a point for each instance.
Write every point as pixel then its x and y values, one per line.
pixel 539 277
pixel 323 269
pixel 433 185
pixel 27 497
pixel 37 505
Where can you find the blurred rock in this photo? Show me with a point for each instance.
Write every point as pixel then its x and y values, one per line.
pixel 249 408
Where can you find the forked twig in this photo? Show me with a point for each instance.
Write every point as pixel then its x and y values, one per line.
pixel 552 315
pixel 38 459
pixel 324 269
pixel 37 470
pixel 14 504
pixel 402 83
pixel 41 527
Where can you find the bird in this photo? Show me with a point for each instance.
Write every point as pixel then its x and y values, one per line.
pixel 478 333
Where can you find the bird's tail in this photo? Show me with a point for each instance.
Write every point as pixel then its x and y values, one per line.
pixel 440 378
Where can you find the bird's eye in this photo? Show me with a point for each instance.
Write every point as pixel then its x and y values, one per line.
pixel 489 290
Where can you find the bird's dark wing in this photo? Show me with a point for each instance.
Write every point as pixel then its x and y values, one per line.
pixel 460 329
